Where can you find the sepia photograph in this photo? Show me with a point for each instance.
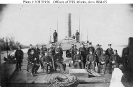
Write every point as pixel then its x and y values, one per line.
pixel 66 45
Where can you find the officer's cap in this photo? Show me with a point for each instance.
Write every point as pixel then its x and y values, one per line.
pixel 109 44
pixel 90 43
pixel 115 50
pixel 98 45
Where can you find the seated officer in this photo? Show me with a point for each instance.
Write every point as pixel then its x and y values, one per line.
pixel 34 62
pixel 115 59
pixel 59 62
pixel 90 61
pixel 78 61
pixel 48 62
pixel 102 62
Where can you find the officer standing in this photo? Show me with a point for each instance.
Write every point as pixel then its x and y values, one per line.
pixel 43 49
pixel 51 51
pixel 19 58
pixel 109 52
pixel 72 52
pixel 37 51
pixel 75 49
pixel 98 52
pixel 77 35
pixel 115 58
pixel 82 51
pixel 55 35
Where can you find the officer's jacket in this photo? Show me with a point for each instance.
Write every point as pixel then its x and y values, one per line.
pixel 82 50
pixel 72 50
pixel 78 57
pixel 51 51
pixel 103 58
pixel 55 34
pixel 77 34
pixel 37 51
pixel 32 59
pixel 75 50
pixel 91 48
pixel 60 51
pixel 91 58
pixel 115 57
pixel 47 59
pixel 43 50
pixel 19 55
pixel 29 50
pixel 109 51
pixel 58 58
pixel 99 51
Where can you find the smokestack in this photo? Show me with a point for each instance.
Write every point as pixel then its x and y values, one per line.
pixel 69 25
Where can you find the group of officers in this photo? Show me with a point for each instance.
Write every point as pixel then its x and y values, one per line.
pixel 91 57
pixel 49 59
pixel 83 58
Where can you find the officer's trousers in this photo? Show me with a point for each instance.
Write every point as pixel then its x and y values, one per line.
pixel 79 65
pixel 18 65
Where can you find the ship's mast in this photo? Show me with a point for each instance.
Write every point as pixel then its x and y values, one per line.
pixel 50 35
pixel 57 29
pixel 79 29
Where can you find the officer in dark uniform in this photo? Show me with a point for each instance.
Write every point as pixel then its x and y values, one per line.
pixel 43 49
pixel 30 48
pixel 19 57
pixel 42 52
pixel 33 62
pixel 103 62
pixel 77 35
pixel 59 50
pixel 115 58
pixel 90 60
pixel 51 51
pixel 82 51
pixel 48 62
pixel 55 35
pixel 75 49
pixel 78 61
pixel 37 53
pixel 98 53
pixel 90 48
pixel 72 51
pixel 109 52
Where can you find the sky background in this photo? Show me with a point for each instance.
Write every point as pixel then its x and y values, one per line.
pixel 105 23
